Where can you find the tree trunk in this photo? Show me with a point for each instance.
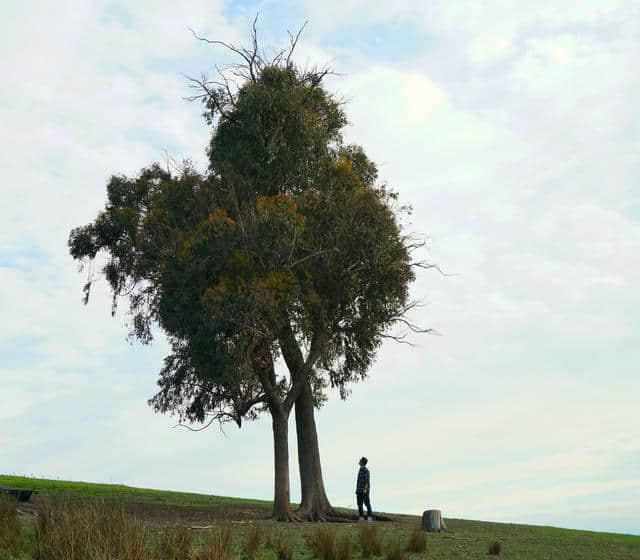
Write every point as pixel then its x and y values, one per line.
pixel 281 498
pixel 314 504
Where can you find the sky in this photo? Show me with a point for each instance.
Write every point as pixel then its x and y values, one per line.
pixel 511 127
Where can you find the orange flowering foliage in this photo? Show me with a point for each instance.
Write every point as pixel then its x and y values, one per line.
pixel 341 172
pixel 216 224
pixel 274 288
pixel 217 220
pixel 220 291
pixel 275 202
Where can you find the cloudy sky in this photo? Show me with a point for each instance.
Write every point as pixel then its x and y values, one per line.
pixel 513 129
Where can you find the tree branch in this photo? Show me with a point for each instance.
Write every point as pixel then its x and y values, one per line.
pixel 294 40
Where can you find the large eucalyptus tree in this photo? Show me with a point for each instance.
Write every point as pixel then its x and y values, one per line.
pixel 286 246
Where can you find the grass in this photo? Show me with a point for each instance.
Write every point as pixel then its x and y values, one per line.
pixel 495 548
pixel 70 531
pixel 247 521
pixel 253 540
pixel 322 542
pixel 217 544
pixel 174 543
pixel 417 540
pixel 370 541
pixel 9 527
pixel 282 545
pixel 118 492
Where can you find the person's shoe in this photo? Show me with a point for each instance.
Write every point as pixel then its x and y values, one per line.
pixel 360 518
pixel 370 518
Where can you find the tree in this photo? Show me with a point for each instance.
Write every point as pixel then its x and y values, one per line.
pixel 286 246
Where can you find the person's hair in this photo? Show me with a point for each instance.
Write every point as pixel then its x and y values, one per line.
pixel 363 461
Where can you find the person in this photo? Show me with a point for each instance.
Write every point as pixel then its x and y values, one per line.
pixel 363 488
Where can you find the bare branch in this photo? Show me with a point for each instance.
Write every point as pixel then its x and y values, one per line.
pixel 233 48
pixel 294 40
pixel 312 255
pixel 425 265
pixel 181 425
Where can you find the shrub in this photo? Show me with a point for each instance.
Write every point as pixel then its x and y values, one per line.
pixel 495 548
pixel 394 550
pixel 9 525
pixel 370 540
pixel 254 538
pixel 174 544
pixel 217 545
pixel 322 542
pixel 72 531
pixel 281 546
pixel 417 540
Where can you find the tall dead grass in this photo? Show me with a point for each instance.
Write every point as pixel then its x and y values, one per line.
pixel 394 548
pixel 281 545
pixel 344 548
pixel 174 543
pixel 417 540
pixel 253 540
pixel 322 542
pixel 370 540
pixel 71 531
pixel 9 525
pixel 217 545
pixel 325 544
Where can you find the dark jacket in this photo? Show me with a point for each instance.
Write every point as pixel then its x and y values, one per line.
pixel 363 484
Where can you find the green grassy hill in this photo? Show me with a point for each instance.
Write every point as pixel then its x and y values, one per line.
pixel 119 492
pixel 466 539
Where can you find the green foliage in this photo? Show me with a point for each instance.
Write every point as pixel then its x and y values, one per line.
pixel 287 236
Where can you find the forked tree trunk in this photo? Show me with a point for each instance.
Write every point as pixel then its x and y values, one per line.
pixel 314 504
pixel 281 498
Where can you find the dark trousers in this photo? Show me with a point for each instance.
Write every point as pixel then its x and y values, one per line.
pixel 363 498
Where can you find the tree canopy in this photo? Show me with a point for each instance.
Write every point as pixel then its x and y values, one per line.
pixel 286 245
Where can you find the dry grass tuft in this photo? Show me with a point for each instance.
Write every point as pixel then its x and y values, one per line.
pixel 282 546
pixel 72 531
pixel 370 541
pixel 417 540
pixel 217 545
pixel 9 525
pixel 326 545
pixel 394 549
pixel 174 544
pixel 495 548
pixel 254 539
pixel 322 542
pixel 344 548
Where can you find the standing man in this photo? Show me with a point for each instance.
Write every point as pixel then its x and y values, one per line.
pixel 363 487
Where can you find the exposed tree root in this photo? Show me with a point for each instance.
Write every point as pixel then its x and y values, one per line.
pixel 291 517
